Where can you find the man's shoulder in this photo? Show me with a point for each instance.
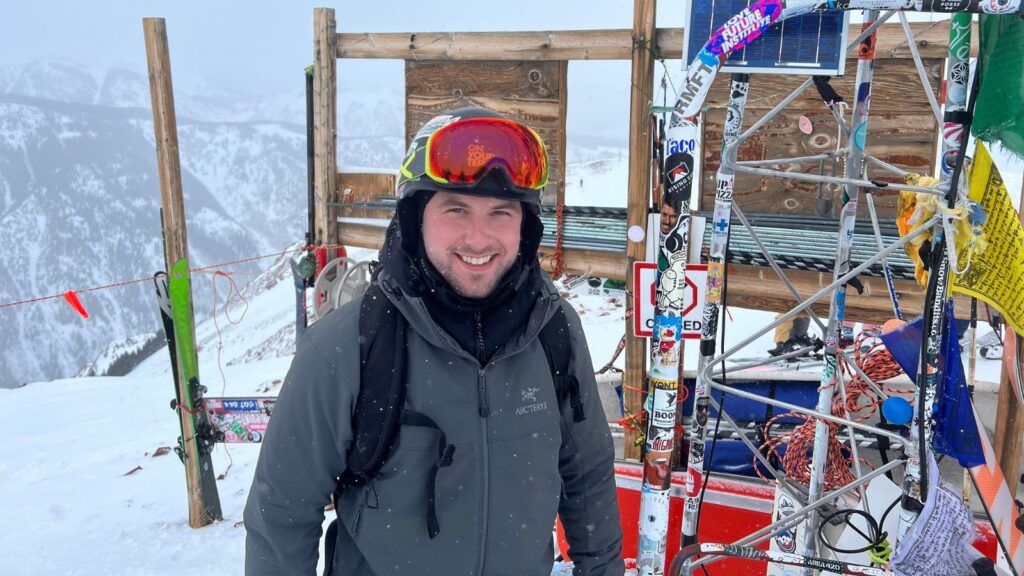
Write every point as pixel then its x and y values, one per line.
pixel 335 334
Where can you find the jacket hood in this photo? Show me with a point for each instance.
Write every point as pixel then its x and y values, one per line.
pixel 423 297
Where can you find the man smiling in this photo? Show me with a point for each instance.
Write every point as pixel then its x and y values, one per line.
pixel 494 425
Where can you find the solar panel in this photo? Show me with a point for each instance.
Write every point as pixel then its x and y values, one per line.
pixel 814 43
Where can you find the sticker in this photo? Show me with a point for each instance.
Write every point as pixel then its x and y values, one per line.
pixel 805 125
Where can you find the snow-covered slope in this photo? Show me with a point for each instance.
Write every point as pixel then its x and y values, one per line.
pixel 80 201
pixel 90 488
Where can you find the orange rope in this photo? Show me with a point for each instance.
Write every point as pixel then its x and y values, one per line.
pixel 860 404
pixel 150 278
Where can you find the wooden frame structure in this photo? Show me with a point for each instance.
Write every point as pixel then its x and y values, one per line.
pixel 642 45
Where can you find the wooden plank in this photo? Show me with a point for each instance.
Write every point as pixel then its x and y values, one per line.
pixel 1009 440
pixel 325 124
pixel 759 288
pixel 356 187
pixel 203 499
pixel 901 131
pixel 529 92
pixel 932 40
pixel 642 82
pixel 577 261
pixel 563 112
pixel 554 45
pixel 753 287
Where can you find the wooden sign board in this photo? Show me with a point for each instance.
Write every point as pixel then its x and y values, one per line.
pixel 901 131
pixel 532 92
pixel 369 187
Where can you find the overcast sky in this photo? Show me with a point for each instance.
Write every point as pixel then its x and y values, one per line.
pixel 261 45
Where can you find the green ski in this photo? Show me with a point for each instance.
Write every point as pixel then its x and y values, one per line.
pixel 197 438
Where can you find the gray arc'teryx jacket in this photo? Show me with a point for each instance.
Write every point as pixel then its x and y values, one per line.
pixel 496 503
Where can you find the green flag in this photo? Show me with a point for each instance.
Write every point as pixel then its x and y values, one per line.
pixel 999 116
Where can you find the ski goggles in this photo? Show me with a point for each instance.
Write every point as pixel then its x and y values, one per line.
pixel 464 151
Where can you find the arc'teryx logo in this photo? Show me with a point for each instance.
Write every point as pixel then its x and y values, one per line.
pixel 530 394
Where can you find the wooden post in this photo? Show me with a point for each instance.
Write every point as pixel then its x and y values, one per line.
pixel 639 188
pixel 325 124
pixel 203 500
pixel 1009 440
pixel 563 107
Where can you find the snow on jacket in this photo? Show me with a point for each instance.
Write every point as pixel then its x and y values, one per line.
pixel 513 469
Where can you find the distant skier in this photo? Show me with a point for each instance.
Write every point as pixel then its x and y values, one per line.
pixel 501 425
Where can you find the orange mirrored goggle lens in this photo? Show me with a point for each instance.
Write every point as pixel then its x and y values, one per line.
pixel 464 151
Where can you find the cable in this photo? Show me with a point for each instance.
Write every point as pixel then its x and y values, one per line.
pixel 878 547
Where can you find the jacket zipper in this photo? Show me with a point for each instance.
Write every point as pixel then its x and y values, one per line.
pixel 359 511
pixel 485 465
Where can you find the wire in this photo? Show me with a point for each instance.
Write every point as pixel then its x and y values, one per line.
pixel 878 547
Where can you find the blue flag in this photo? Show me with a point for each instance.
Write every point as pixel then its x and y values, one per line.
pixel 956 433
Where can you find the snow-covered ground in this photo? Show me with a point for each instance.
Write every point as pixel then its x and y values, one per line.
pixel 89 487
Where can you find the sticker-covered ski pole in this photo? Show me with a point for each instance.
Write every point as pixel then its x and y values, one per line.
pixel 666 345
pixel 837 305
pixel 696 466
pixel 956 125
pixel 771 556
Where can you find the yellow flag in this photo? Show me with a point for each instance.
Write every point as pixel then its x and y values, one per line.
pixel 996 275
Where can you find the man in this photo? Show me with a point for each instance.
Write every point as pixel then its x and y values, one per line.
pixel 460 265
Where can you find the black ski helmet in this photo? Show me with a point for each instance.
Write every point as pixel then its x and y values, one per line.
pixel 496 183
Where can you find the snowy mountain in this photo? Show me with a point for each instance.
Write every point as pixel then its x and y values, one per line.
pixel 80 200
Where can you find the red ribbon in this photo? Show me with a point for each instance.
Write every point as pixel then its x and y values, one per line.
pixel 72 299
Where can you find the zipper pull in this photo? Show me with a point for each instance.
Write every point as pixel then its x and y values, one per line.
pixel 485 411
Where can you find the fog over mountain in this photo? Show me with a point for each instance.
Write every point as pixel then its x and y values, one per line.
pixel 80 200
pixel 79 193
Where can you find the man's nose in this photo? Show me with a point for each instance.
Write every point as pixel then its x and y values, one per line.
pixel 477 233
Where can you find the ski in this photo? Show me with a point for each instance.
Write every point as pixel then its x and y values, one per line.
pixel 301 320
pixel 197 438
pixel 163 298
pixel 666 346
pixel 739 86
pixel 830 377
pixel 773 557
pixel 956 126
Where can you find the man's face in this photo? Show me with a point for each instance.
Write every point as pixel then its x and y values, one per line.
pixel 471 241
pixel 668 218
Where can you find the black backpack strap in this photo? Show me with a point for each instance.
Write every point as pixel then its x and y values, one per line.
pixel 445 453
pixel 555 339
pixel 382 384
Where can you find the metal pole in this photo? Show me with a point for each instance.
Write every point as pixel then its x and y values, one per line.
pixel 837 307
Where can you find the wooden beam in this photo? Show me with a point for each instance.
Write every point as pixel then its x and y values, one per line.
pixel 553 45
pixel 577 261
pixel 932 40
pixel 642 46
pixel 1009 441
pixel 325 123
pixel 563 113
pixel 203 500
pixel 754 287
